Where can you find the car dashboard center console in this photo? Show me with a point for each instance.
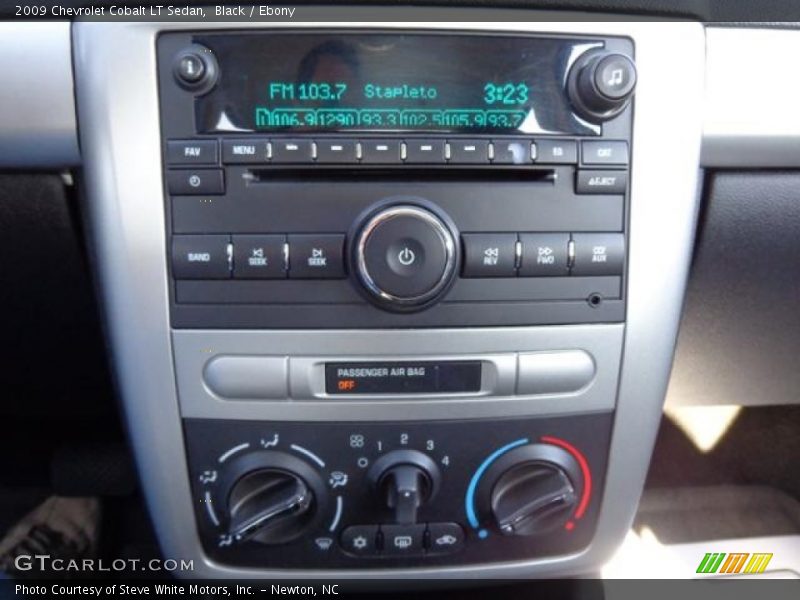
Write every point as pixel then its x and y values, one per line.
pixel 391 298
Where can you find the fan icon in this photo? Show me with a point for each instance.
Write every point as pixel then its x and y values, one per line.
pixel 360 542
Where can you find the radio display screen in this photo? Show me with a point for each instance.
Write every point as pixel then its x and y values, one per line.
pixel 340 82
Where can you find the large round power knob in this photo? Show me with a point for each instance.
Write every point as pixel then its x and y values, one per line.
pixel 601 84
pixel 405 256
pixel 536 489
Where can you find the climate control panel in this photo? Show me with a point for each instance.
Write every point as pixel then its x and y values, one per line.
pixel 361 495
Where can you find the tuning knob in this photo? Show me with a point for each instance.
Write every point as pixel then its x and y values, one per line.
pixel 274 499
pixel 404 255
pixel 405 480
pixel 536 489
pixel 601 84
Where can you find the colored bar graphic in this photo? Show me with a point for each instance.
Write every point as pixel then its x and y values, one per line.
pixel 734 562
pixel 758 563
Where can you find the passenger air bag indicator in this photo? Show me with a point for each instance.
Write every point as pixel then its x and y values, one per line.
pixel 414 377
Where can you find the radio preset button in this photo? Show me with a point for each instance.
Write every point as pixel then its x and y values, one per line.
pixel 200 257
pixel 556 152
pixel 598 253
pixel 247 151
pixel 469 151
pixel 424 152
pixel 192 152
pixel 604 153
pixel 259 257
pixel 336 151
pixel 292 151
pixel 381 152
pixel 195 182
pixel 512 152
pixel 316 256
pixel 544 254
pixel 490 254
pixel 601 182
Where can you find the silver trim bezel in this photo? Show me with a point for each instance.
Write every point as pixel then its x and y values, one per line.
pixel 117 94
pixel 445 235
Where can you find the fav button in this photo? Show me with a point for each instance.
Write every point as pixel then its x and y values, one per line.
pixel 259 257
pixel 360 540
pixel 490 254
pixel 445 538
pixel 316 256
pixel 403 540
pixel 544 254
pixel 192 152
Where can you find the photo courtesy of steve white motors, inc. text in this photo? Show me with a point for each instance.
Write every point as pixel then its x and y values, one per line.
pixel 156 11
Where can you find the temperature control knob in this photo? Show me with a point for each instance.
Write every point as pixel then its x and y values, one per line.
pixel 405 255
pixel 535 489
pixel 273 499
pixel 601 84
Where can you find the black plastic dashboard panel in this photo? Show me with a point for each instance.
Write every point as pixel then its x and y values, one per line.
pixel 341 454
pixel 738 341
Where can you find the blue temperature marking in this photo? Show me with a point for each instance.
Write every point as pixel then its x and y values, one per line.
pixel 473 484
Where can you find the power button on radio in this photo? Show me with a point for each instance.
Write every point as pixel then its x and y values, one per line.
pixel 404 256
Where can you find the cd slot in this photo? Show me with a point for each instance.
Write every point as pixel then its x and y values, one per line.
pixel 449 174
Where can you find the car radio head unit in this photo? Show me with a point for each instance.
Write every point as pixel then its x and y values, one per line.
pixel 378 179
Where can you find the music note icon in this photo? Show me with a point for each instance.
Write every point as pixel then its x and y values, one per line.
pixel 616 77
